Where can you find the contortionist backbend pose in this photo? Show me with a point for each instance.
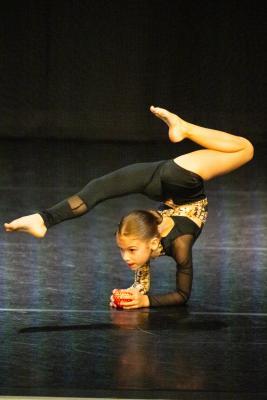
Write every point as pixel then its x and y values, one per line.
pixel 170 230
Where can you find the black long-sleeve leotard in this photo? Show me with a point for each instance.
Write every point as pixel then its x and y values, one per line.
pixel 160 181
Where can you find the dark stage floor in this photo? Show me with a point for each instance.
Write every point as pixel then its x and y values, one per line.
pixel 58 335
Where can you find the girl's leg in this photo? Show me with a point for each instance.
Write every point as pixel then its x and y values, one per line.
pixel 223 151
pixel 36 225
pixel 32 224
pixel 134 178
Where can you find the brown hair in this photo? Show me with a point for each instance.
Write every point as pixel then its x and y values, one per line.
pixel 140 223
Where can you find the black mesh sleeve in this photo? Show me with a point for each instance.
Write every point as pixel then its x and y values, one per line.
pixel 182 253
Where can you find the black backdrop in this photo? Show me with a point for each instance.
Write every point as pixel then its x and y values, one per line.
pixel 90 69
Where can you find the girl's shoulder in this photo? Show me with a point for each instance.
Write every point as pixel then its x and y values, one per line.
pixel 182 226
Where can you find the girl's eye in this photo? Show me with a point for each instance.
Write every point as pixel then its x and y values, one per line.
pixel 132 250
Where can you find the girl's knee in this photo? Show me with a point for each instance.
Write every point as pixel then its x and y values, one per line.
pixel 249 150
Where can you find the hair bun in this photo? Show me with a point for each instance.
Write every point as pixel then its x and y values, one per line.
pixel 157 215
pixel 141 223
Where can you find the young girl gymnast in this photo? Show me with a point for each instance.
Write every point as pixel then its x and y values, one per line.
pixel 170 230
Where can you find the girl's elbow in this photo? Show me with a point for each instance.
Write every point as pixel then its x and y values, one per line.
pixel 183 297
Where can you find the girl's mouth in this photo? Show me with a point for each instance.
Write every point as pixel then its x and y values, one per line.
pixel 130 265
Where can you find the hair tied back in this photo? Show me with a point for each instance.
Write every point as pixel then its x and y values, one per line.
pixel 157 215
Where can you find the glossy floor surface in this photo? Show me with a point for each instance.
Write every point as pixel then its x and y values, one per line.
pixel 58 336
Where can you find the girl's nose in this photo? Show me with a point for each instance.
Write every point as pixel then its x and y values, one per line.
pixel 125 257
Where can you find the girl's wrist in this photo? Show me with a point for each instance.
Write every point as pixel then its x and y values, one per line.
pixel 146 301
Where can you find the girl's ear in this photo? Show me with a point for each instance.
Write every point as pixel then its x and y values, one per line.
pixel 154 244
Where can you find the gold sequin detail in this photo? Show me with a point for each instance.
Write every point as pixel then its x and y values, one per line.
pixel 142 279
pixel 196 211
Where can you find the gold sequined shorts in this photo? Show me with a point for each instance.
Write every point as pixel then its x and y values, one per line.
pixel 196 211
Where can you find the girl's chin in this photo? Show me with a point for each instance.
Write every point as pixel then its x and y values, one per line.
pixel 133 267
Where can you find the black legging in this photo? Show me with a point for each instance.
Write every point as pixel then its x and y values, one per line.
pixel 158 180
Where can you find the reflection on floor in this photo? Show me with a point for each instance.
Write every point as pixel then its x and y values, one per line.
pixel 58 336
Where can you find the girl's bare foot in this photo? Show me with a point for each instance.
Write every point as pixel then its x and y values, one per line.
pixel 177 126
pixel 31 224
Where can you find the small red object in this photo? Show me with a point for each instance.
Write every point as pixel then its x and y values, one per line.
pixel 120 296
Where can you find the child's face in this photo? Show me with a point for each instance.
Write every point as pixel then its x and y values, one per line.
pixel 135 252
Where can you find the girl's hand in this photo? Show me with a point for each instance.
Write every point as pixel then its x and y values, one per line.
pixel 111 303
pixel 138 300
